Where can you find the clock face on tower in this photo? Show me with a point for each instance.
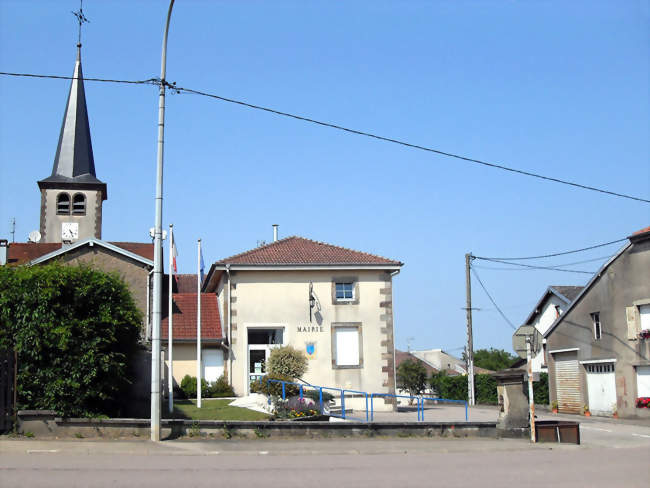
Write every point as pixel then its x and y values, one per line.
pixel 69 231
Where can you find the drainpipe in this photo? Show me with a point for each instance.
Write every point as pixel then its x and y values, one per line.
pixel 394 273
pixel 229 329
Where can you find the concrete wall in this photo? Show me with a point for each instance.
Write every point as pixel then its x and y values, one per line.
pixel 625 282
pixel 90 224
pixel 280 299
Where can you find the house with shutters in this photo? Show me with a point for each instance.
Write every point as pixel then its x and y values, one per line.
pixel 598 350
pixel 333 303
pixel 550 306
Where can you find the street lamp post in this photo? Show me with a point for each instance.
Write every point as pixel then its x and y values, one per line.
pixel 157 255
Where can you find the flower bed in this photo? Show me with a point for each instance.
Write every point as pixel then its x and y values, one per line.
pixel 296 408
pixel 643 402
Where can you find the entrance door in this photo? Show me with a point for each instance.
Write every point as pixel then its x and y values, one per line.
pixel 260 343
pixel 601 388
pixel 567 382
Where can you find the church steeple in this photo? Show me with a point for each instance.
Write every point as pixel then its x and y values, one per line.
pixel 72 196
pixel 74 161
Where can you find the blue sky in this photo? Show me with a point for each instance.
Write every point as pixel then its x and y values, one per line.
pixel 558 88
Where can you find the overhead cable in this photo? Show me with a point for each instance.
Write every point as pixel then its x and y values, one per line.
pixel 529 266
pixel 557 253
pixel 357 132
pixel 492 299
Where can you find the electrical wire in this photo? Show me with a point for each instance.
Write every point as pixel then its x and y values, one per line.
pixel 557 253
pixel 150 81
pixel 407 144
pixel 529 266
pixel 179 90
pixel 556 267
pixel 475 273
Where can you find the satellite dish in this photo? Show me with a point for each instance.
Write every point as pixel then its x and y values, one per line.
pixel 34 236
pixel 519 340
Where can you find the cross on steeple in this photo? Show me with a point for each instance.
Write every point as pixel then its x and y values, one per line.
pixel 81 18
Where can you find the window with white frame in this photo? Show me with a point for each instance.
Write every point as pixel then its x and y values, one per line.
pixel 347 349
pixel 345 291
pixel 598 330
pixel 644 315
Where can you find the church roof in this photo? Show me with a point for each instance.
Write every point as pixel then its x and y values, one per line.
pixel 74 163
pixel 25 252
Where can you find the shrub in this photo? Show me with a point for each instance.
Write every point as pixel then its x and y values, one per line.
pixel 314 395
pixel 540 392
pixel 274 389
pixel 214 389
pixel 76 331
pixel 455 387
pixel 287 361
pixel 220 388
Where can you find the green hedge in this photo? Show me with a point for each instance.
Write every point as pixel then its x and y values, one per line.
pixel 214 389
pixel 75 330
pixel 485 388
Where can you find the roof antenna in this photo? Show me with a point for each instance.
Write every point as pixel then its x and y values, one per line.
pixel 81 18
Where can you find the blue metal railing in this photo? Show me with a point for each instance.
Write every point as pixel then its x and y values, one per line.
pixel 369 412
pixel 463 402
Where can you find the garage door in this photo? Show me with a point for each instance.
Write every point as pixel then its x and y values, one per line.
pixel 601 388
pixel 567 382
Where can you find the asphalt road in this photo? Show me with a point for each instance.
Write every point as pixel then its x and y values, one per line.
pixel 612 454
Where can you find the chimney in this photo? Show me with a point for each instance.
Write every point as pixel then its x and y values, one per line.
pixel 4 247
pixel 275 232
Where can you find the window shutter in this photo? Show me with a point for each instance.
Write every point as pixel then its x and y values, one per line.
pixel 632 328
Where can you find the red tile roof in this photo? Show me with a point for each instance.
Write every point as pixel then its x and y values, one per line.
pixel 186 283
pixel 24 252
pixel 184 323
pixel 641 231
pixel 300 251
pixel 143 249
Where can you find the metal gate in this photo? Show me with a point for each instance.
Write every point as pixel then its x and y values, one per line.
pixel 567 382
pixel 7 368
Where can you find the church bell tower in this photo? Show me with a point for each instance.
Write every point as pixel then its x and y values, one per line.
pixel 72 196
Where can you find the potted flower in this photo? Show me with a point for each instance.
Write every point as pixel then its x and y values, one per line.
pixel 644 334
pixel 586 411
pixel 643 402
pixel 615 411
pixel 554 406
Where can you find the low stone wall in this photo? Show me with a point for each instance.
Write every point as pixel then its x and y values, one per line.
pixel 45 424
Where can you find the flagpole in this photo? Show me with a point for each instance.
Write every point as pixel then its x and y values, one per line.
pixel 198 330
pixel 170 315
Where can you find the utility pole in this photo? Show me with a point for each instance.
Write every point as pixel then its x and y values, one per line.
pixel 470 340
pixel 531 397
pixel 157 250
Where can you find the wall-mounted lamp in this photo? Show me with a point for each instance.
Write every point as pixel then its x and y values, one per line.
pixel 312 299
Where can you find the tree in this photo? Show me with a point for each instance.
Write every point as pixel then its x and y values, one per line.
pixel 493 359
pixel 412 376
pixel 287 361
pixel 75 330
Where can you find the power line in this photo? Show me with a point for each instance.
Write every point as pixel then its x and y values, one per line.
pixel 352 131
pixel 150 81
pixel 555 267
pixel 557 253
pixel 492 299
pixel 529 266
pixel 407 144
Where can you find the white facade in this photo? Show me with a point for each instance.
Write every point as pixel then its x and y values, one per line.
pixel 349 341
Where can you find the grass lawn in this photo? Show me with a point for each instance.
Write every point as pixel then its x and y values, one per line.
pixel 212 409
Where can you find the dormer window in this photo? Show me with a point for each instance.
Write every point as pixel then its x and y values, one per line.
pixel 63 204
pixel 79 204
